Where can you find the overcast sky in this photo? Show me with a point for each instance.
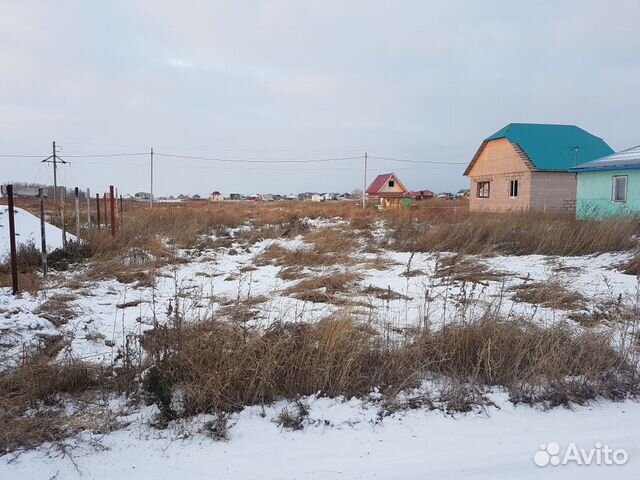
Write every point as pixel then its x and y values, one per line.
pixel 302 80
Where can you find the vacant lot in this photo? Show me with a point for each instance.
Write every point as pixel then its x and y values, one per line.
pixel 208 309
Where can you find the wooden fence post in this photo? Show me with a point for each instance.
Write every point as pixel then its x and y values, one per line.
pixel 112 201
pixel 77 197
pixel 120 213
pixel 43 233
pixel 62 219
pixel 98 209
pixel 12 241
pixel 89 209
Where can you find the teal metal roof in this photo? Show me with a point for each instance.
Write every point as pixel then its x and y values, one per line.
pixel 554 147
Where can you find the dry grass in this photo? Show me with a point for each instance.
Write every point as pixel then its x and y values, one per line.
pixel 58 309
pixel 219 369
pixel 329 288
pixel 384 293
pixel 38 385
pixel 551 293
pixel 632 267
pixel 510 233
pixel 302 257
pixel 460 268
pixel 332 240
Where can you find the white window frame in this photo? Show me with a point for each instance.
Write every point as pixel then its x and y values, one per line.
pixel 513 182
pixel 391 184
pixel 614 182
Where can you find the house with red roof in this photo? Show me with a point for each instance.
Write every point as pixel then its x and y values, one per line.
pixel 387 190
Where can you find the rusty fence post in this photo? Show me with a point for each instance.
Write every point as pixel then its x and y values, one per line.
pixel 77 206
pixel 112 201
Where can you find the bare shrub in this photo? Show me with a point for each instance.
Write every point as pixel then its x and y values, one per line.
pixel 293 417
pixel 218 428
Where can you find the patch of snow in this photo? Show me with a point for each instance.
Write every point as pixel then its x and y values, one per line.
pixel 346 439
pixel 28 231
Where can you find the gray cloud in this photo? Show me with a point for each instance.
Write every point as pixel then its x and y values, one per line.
pixel 286 79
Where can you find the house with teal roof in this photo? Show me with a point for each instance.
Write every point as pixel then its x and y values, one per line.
pixel 526 166
pixel 609 186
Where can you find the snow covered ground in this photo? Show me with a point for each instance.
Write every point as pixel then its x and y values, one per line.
pixel 346 439
pixel 341 439
pixel 108 312
pixel 27 231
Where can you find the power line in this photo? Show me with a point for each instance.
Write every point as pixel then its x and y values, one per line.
pixel 430 162
pixel 239 160
pixel 18 155
pixel 92 155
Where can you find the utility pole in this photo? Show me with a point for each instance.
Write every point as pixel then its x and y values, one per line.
pixel 151 193
pixel 364 183
pixel 55 159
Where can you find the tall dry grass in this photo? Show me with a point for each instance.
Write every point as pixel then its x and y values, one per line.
pixel 218 368
pixel 428 227
pixel 511 233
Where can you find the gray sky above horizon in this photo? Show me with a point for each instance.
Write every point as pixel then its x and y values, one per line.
pixel 299 80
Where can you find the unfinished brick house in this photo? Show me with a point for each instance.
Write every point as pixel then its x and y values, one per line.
pixel 525 166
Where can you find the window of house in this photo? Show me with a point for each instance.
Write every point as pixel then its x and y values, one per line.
pixel 483 189
pixel 619 189
pixel 391 183
pixel 513 188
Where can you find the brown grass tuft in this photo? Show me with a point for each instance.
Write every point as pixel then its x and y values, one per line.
pixel 551 293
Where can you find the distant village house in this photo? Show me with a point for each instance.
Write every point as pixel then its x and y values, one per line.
pixel 387 190
pixel 216 197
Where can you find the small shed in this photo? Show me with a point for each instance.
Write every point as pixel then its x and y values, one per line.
pixel 387 190
pixel 609 186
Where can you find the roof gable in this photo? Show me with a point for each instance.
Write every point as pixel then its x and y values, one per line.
pixel 380 181
pixel 551 147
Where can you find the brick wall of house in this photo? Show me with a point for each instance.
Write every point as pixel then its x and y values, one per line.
pixel 499 163
pixel 554 191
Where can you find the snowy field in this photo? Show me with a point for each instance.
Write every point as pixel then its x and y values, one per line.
pixel 341 438
pixel 497 443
